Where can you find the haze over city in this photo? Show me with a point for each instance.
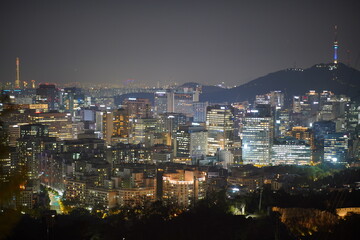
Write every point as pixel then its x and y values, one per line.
pixel 162 42
pixel 179 119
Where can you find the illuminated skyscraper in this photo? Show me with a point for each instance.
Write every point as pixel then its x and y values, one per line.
pixel 199 109
pixel 60 125
pixel 335 147
pixel 303 133
pixel 160 102
pixel 169 123
pixel 352 116
pixel 220 126
pixel 142 130
pixel 257 139
pixel 181 100
pixel 116 126
pixel 29 149
pixel 73 99
pixel 282 122
pixel 191 141
pixel 289 150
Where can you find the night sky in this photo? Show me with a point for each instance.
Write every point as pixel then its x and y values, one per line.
pixel 111 41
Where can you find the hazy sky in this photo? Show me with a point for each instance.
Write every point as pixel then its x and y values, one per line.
pixel 180 41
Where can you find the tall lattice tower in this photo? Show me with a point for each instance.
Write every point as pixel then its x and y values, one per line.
pixel 17 79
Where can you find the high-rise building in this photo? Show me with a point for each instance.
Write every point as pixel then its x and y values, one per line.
pixel 282 122
pixel 128 153
pixel 60 125
pixel 198 143
pixel 29 149
pixel 257 138
pixel 48 94
pixel 302 133
pixel 137 107
pixel 99 117
pixel 72 99
pixel 324 96
pixel 352 117
pixel 289 150
pixel 169 123
pixel 121 125
pixel 336 147
pixel 274 98
pixel 313 99
pixel 191 141
pixel 36 130
pixel 296 105
pixel 220 127
pixel 116 126
pixel 199 109
pixel 181 100
pixel 5 167
pixel 160 102
pixel 321 129
pixel 142 131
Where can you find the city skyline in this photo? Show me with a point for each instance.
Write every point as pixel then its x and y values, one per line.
pixel 172 42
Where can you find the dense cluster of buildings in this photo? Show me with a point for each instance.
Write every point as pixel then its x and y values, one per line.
pixel 104 153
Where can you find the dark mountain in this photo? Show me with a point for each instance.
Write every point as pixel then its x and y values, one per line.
pixel 340 80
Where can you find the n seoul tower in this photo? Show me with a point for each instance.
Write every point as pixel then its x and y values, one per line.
pixel 336 46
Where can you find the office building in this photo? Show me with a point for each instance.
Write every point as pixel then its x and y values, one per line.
pixel 48 94
pixel 137 107
pixel 220 127
pixel 336 147
pixel 290 151
pixel 257 138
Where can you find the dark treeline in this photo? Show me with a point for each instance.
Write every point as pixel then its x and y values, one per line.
pixel 209 219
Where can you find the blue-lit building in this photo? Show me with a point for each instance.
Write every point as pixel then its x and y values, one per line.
pixel 336 147
pixel 199 109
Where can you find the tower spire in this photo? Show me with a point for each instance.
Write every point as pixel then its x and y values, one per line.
pixel 336 46
pixel 17 79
